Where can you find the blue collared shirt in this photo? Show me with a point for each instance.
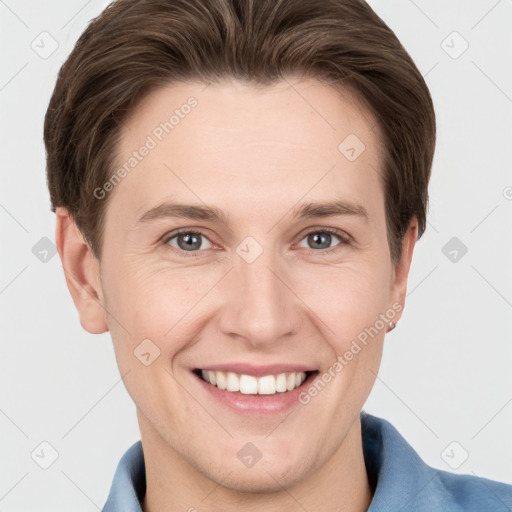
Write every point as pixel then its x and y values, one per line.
pixel 402 481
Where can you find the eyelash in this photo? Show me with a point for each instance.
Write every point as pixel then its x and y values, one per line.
pixel 344 237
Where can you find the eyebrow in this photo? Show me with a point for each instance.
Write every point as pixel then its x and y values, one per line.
pixel 210 213
pixel 331 208
pixel 186 211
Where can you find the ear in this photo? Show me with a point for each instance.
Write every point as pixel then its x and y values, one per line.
pixel 82 273
pixel 401 270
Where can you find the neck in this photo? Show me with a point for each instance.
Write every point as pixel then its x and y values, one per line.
pixel 340 484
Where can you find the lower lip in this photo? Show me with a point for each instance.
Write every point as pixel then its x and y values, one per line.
pixel 256 405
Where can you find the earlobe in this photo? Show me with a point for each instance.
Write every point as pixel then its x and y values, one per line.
pixel 401 271
pixel 81 270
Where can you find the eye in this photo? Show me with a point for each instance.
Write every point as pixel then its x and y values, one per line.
pixel 321 240
pixel 189 241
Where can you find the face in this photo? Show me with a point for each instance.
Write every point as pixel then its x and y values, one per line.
pixel 247 245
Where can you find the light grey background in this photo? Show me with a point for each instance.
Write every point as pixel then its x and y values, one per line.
pixel 446 371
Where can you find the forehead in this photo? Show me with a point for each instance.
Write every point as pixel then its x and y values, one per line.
pixel 294 137
pixel 307 108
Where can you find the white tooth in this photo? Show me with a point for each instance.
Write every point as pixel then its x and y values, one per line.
pixel 248 385
pixel 281 382
pixel 232 382
pixel 299 378
pixel 290 381
pixel 221 380
pixel 267 385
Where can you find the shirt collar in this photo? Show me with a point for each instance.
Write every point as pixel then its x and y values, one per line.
pixel 400 480
pixel 129 483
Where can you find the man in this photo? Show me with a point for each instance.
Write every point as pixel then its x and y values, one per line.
pixel 239 187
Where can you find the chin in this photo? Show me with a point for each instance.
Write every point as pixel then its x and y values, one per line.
pixel 275 470
pixel 263 479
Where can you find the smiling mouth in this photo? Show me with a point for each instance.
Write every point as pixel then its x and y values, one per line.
pixel 251 385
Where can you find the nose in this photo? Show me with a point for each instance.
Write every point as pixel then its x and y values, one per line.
pixel 260 306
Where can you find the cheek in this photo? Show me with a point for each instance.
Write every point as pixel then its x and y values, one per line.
pixel 346 299
pixel 155 314
pixel 156 303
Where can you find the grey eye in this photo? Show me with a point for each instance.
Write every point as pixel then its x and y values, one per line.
pixel 189 241
pixel 320 240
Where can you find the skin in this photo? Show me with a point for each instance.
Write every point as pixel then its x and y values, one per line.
pixel 256 154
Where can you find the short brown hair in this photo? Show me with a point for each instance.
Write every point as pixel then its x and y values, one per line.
pixel 137 45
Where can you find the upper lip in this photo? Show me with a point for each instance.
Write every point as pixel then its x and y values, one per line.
pixel 257 370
